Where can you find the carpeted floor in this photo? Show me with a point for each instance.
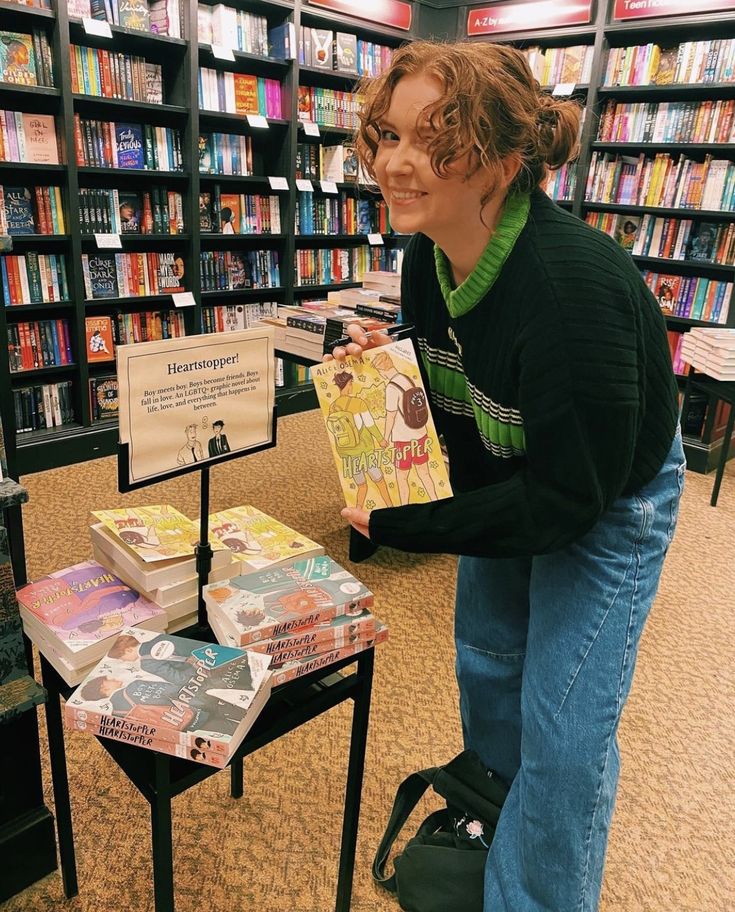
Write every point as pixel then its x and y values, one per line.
pixel 275 850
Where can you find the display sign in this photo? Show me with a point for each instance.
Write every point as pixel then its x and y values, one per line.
pixel 393 13
pixel 97 27
pixel 179 395
pixel 645 9
pixel 278 183
pixel 310 128
pixel 520 17
pixel 108 241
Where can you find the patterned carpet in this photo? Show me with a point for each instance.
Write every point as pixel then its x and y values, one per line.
pixel 275 850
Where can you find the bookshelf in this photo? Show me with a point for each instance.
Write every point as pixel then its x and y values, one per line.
pixel 690 95
pixel 105 97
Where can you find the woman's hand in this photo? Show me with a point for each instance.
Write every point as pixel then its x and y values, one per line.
pixel 358 519
pixel 359 343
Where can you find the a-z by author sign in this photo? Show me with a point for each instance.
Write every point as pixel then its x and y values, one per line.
pixel 385 12
pixel 644 9
pixel 519 17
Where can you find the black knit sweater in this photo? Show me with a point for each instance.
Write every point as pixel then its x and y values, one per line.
pixel 554 392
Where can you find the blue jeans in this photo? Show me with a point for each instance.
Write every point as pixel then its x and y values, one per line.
pixel 546 648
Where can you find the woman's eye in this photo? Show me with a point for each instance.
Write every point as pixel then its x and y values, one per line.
pixel 388 136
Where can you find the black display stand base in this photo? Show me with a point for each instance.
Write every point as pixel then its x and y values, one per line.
pixel 160 777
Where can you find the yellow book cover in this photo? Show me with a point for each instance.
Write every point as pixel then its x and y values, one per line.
pixel 382 435
pixel 259 540
pixel 154 533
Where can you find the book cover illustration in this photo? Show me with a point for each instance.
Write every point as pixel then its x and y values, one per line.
pixel 173 689
pixel 130 210
pixel 103 275
pixel 205 211
pixel 154 533
pixel 342 630
pixel 229 213
pixel 170 273
pixel 19 210
pixel 379 425
pixel 350 163
pixel 129 145
pixel 40 139
pixel 626 230
pixel 667 293
pixel 666 66
pixel 105 397
pixel 269 603
pixel 17 59
pixel 84 604
pixel 98 333
pixel 259 540
pixel 701 244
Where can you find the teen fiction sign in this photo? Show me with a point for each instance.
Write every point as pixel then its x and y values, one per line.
pixel 643 9
pixel 519 17
pixel 383 12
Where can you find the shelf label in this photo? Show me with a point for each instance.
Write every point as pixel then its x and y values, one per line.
pixel 563 89
pixel 304 185
pixel 520 17
pixel 223 53
pixel 257 120
pixel 310 128
pixel 184 299
pixel 329 187
pixel 278 183
pixel 97 27
pixel 108 241
pixel 645 9
pixel 375 240
pixel 395 13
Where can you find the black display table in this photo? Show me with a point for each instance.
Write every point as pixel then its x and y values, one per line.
pixel 160 777
pixel 724 390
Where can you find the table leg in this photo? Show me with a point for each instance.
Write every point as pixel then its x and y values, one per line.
pixel 60 780
pixel 353 791
pixel 236 775
pixel 163 856
pixel 723 456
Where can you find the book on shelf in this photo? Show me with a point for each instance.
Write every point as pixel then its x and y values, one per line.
pixel 106 144
pixel 172 694
pixel 239 93
pixel 28 138
pixel 552 66
pixel 103 397
pixel 240 30
pixel 688 63
pixel 130 275
pixel 158 211
pixel 25 60
pixel 225 153
pixel 34 278
pixel 157 533
pixel 106 74
pixel 258 541
pixel 380 429
pixel 166 17
pixel 148 326
pixel 710 121
pixel 225 270
pixel 341 51
pixel 240 213
pixel 265 604
pixel 691 297
pixel 80 608
pixel 234 317
pixel 43 405
pixel 36 344
pixel 98 335
pixel 32 210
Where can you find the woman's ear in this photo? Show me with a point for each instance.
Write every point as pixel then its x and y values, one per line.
pixel 510 166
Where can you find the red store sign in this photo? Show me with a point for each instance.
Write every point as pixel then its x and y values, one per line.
pixel 644 9
pixel 520 17
pixel 393 13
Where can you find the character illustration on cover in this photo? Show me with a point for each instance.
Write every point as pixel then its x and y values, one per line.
pixel 15 62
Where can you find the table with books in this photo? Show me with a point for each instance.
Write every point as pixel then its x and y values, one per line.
pixel 173 702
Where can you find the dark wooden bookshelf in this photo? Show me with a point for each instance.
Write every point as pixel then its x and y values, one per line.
pixel 690 266
pixel 33 308
pixel 720 150
pixel 660 210
pixel 42 371
pixel 672 92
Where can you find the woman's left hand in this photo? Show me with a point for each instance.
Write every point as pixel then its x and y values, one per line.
pixel 358 519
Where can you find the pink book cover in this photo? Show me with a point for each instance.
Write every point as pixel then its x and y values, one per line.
pixel 85 603
pixel 40 139
pixel 301 667
pixel 340 631
pixel 273 98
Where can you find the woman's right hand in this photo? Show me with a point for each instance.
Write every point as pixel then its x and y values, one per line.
pixel 359 343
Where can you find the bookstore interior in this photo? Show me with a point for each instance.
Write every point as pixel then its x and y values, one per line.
pixel 188 226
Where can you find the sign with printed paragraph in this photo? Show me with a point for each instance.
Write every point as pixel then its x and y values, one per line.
pixel 646 9
pixel 393 13
pixel 190 400
pixel 520 17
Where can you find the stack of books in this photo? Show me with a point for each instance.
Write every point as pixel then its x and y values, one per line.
pixel 73 615
pixel 152 550
pixel 183 697
pixel 387 283
pixel 711 351
pixel 305 617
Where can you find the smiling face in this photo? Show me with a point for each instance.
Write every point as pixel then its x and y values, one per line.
pixel 420 200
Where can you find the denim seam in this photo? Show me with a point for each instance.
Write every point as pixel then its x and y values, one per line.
pixel 585 876
pixel 495 655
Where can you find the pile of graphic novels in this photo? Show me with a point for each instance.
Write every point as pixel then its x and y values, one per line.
pixel 183 697
pixel 305 617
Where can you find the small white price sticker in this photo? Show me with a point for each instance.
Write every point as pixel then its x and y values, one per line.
pixel 223 53
pixel 311 128
pixel 563 89
pixel 304 185
pixel 257 120
pixel 184 299
pixel 108 241
pixel 329 187
pixel 97 27
pixel 278 183
pixel 375 239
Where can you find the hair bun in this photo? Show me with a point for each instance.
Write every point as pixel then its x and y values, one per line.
pixel 558 122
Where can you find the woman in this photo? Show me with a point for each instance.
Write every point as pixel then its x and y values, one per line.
pixel 550 378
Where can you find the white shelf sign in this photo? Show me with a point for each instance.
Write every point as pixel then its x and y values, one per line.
pixel 375 239
pixel 563 89
pixel 257 120
pixel 278 183
pixel 108 241
pixel 184 299
pixel 97 27
pixel 329 187
pixel 311 128
pixel 304 185
pixel 223 53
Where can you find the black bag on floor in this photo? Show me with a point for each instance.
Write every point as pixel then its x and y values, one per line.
pixel 442 867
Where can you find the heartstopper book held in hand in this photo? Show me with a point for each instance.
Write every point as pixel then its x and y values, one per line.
pixel 380 428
